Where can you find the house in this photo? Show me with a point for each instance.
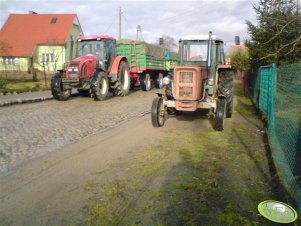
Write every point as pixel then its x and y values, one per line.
pixel 40 42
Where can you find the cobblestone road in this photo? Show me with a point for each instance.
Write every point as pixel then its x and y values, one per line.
pixel 31 130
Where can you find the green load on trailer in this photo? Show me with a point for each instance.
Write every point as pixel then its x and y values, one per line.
pixel 142 55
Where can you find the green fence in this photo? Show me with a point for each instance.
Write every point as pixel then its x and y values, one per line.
pixel 277 93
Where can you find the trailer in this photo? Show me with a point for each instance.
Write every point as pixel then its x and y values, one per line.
pixel 147 63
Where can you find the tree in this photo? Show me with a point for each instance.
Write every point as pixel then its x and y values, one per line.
pixel 168 43
pixel 240 60
pixel 277 36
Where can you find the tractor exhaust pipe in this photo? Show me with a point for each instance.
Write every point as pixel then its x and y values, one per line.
pixel 209 51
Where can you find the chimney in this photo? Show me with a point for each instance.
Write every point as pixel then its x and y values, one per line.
pixel 237 40
pixel 32 12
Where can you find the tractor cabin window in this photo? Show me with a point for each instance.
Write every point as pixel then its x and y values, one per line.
pixel 195 51
pixel 219 53
pixel 91 48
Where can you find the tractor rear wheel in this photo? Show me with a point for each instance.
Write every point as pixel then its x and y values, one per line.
pixel 99 86
pixel 122 86
pixel 219 114
pixel 159 81
pixel 225 87
pixel 145 82
pixel 158 112
pixel 57 88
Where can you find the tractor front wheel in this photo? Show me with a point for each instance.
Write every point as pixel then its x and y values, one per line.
pixel 220 114
pixel 57 88
pixel 158 112
pixel 99 86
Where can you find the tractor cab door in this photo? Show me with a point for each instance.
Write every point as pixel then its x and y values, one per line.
pixel 110 52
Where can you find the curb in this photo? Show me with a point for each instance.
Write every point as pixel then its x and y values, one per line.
pixel 19 101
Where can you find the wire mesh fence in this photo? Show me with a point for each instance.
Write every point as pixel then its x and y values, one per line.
pixel 277 93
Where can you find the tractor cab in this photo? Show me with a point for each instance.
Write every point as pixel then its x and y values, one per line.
pixel 99 48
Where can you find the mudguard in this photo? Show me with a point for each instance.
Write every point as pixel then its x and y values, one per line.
pixel 114 67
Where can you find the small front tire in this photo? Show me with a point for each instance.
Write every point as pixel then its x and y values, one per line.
pixel 158 112
pixel 57 88
pixel 220 114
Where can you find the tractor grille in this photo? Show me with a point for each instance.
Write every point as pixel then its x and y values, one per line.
pixel 72 75
pixel 185 91
pixel 186 77
pixel 187 86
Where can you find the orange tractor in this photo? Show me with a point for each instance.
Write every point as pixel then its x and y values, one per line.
pixel 202 80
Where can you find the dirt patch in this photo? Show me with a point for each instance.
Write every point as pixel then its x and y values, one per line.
pixel 191 178
pixel 182 174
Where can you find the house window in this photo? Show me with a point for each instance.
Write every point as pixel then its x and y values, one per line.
pixel 47 57
pixel 8 60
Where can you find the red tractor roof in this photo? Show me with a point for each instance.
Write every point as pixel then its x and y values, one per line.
pixel 94 37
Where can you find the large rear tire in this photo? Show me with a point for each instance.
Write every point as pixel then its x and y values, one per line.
pixel 220 114
pixel 57 88
pixel 99 86
pixel 225 87
pixel 122 86
pixel 145 82
pixel 158 112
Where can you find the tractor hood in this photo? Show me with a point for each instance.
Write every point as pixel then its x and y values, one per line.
pixel 81 67
pixel 83 59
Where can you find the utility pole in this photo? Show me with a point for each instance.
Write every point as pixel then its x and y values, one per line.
pixel 139 33
pixel 120 13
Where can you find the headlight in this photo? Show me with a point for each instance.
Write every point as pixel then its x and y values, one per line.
pixel 73 69
pixel 166 81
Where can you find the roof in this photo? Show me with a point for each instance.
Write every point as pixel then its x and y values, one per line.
pixel 199 37
pixel 94 37
pixel 22 32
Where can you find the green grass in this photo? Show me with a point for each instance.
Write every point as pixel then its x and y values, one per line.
pixel 24 86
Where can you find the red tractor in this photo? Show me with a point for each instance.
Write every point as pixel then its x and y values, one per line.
pixel 96 69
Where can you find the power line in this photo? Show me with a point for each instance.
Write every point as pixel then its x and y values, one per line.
pixel 109 27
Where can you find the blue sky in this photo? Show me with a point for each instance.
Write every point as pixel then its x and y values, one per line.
pixel 226 18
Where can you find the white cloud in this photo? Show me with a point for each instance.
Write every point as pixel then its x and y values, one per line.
pixel 170 17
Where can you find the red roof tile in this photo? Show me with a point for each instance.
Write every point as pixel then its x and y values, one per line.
pixel 22 32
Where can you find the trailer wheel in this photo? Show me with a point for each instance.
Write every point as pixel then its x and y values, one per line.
pixel 158 112
pixel 122 86
pixel 57 88
pixel 159 81
pixel 225 87
pixel 145 82
pixel 99 86
pixel 219 114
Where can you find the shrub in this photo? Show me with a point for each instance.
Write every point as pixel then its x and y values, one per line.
pixel 3 83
